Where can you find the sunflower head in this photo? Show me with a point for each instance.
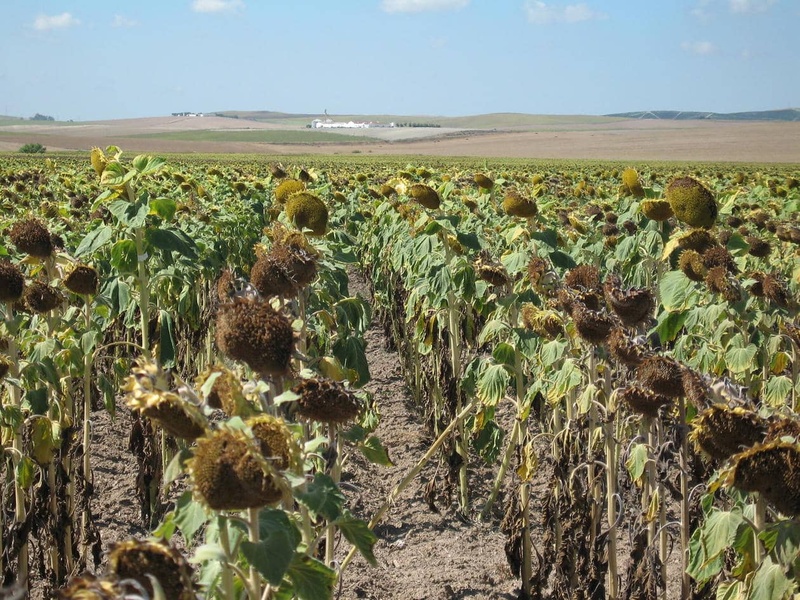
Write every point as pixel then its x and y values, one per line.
pixel 274 440
pixel 517 205
pixel 148 392
pixel 593 326
pixel 482 181
pixel 41 298
pixel 642 401
pixel 32 237
pixel 286 188
pixel 226 391
pixel 255 333
pixel 229 472
pixel 141 560
pixel 490 270
pixel 425 195
pixel 631 184
pixel 632 306
pixel 12 282
pixel 545 323
pixel 82 280
pixel 691 263
pixel 772 470
pixel 624 349
pixel 662 374
pixel 721 431
pixel 326 400
pixel 307 211
pixel 691 202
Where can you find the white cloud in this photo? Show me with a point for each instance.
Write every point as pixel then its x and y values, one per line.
pixel 750 6
pixel 215 6
pixel 62 21
pixel 414 6
pixel 540 13
pixel 699 48
pixel 122 21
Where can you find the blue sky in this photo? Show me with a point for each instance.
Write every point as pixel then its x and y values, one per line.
pixel 88 59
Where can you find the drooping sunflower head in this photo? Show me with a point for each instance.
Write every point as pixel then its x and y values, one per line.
pixel 622 347
pixel 32 237
pixel 141 560
pixel 759 247
pixel 691 202
pixel 490 270
pixel 275 440
pixel 583 277
pixel 656 210
pixel 12 282
pixel 255 333
pixel 642 401
pixel 773 470
pixel 326 400
pixel 307 211
pixel 226 392
pixel 82 280
pixel 41 297
pixel 229 472
pixel 425 195
pixel 517 205
pixel 691 263
pixel 545 323
pixel 632 306
pixel 482 181
pixel 286 188
pixel 593 326
pixel 698 240
pixel 148 392
pixel 721 431
pixel 631 184
pixel 662 374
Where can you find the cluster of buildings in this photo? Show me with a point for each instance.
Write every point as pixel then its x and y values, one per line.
pixel 331 124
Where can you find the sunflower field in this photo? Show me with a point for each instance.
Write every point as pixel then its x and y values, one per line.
pixel 625 336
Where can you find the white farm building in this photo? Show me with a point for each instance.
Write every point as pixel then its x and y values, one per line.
pixel 331 124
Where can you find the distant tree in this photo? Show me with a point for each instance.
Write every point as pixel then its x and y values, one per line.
pixel 32 149
pixel 39 117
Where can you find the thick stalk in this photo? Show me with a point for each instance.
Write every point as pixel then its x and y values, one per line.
pixel 255 536
pixel 760 522
pixel 398 489
pixel 501 473
pixel 611 507
pixel 686 582
pixel 663 540
pixel 336 471
pixel 144 289
pixel 54 549
pixel 455 360
pixel 526 570
pixel 20 509
pixel 649 482
pixel 87 427
pixel 227 573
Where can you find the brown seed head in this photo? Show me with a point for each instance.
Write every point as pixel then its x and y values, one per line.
pixel 425 195
pixel 632 306
pixel 622 347
pixel 12 282
pixel 40 297
pixel 721 431
pixel 82 280
pixel 661 374
pixel 773 470
pixel 326 400
pixel 643 401
pixel 141 560
pixel 32 237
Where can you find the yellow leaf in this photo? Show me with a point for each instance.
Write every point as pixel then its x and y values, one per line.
pixel 529 462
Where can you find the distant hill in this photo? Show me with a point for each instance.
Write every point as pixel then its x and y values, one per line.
pixel 786 114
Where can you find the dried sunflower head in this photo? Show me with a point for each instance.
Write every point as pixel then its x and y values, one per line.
pixel 622 347
pixel 82 280
pixel 695 389
pixel 517 205
pixel 718 256
pixel 40 297
pixel 307 211
pixel 229 472
pixel 425 195
pixel 148 392
pixel 586 277
pixel 274 440
pixel 642 401
pixel 12 282
pixel 490 270
pixel 718 281
pixel 542 277
pixel 631 184
pixel 226 392
pixel 32 237
pixel 691 202
pixel 271 278
pixel 699 240
pixel 662 374
pixel 593 326
pixel 691 264
pixel 792 330
pixel 545 323
pixel 780 427
pixel 656 210
pixel 92 587
pixel 140 560
pixel 255 333
pixel 776 291
pixel 326 401
pixel 772 470
pixel 758 247
pixel 277 172
pixel 721 431
pixel 632 306
pixel 482 181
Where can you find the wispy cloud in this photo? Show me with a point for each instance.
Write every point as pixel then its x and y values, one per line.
pixel 750 6
pixel 48 22
pixel 122 21
pixel 540 13
pixel 415 6
pixel 216 6
pixel 699 48
pixel 701 10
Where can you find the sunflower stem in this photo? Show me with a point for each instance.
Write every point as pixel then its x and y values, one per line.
pixel 227 573
pixel 254 532
pixel 336 471
pixel 686 583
